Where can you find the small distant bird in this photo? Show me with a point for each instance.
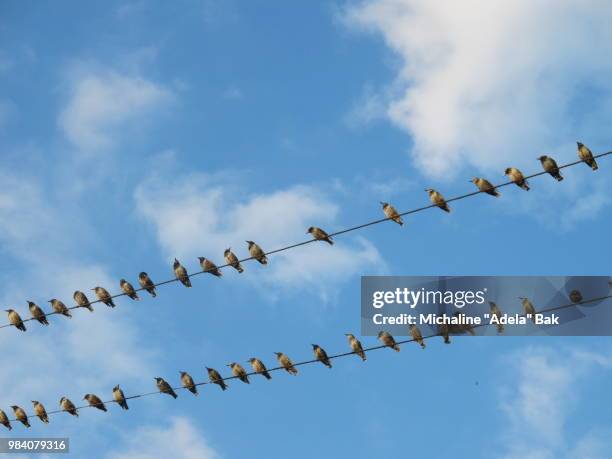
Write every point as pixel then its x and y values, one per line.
pixel 38 313
pixel 104 296
pixel 497 313
pixel 68 406
pixel 164 387
pixel 128 289
pixel 188 383
pixel 528 308
pixel 259 367
pixel 4 420
pixel 575 296
pixel 388 340
pixel 15 319
pixel 232 260
pixel 209 267
pixel 82 301
pixel 391 212
pixel 119 397
pixel 21 415
pixel 550 166
pixel 215 378
pixel 416 335
pixel 256 252
pixel 321 355
pixel 462 327
pixel 320 235
pixel 356 346
pixel 437 199
pixel 485 186
pixel 586 155
pixel 517 177
pixel 145 282
pixel 444 331
pixel 39 410
pixel 181 273
pixel 286 363
pixel 239 372
pixel 95 401
pixel 59 307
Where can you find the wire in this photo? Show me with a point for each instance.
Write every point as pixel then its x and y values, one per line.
pixel 310 241
pixel 331 357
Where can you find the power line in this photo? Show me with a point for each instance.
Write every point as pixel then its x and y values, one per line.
pixel 310 241
pixel 331 357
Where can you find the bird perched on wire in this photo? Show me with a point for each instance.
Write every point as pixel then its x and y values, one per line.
pixel 320 235
pixel 550 166
pixel 286 363
pixel 119 397
pixel 68 406
pixel 104 296
pixel 95 401
pixel 4 420
pixel 215 378
pixel 128 289
pixel 517 177
pixel 356 346
pixel 82 301
pixel 15 319
pixel 239 372
pixel 145 282
pixel 388 340
pixel 437 199
pixel 39 410
pixel 391 213
pixel 497 313
pixel 321 355
pixel 60 308
pixel 528 308
pixel 187 382
pixel 462 327
pixel 209 267
pixel 485 186
pixel 256 252
pixel 181 273
pixel 232 260
pixel 585 154
pixel 164 387
pixel 259 367
pixel 21 415
pixel 416 335
pixel 38 313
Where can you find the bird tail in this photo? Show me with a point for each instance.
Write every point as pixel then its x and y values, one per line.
pixel 186 282
pixel 593 165
pixel 263 260
pixel 111 303
pixel 445 207
pixel 446 340
pixel 9 427
pixel 396 348
pixel 153 293
pixel 67 314
pixel 44 321
pixel 329 241
pixel 27 424
pixel 267 375
pixel 174 395
pixel 525 185
pixel 558 176
pixel 21 327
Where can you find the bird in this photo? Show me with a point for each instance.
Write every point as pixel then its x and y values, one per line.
pixel 437 199
pixel 416 335
pixel 462 327
pixel 104 296
pixel 356 346
pixel 4 420
pixel 181 273
pixel 232 260
pixel 239 372
pixel 40 411
pixel 59 307
pixel 164 387
pixel 188 383
pixel 550 166
pixel 497 313
pixel 259 367
pixel 128 289
pixel 38 313
pixel 388 340
pixel 68 406
pixel 15 319
pixel 444 331
pixel 145 282
pixel 585 154
pixel 320 235
pixel 286 363
pixel 391 213
pixel 485 186
pixel 209 267
pixel 215 378
pixel 256 252
pixel 119 397
pixel 528 308
pixel 575 296
pixel 82 301
pixel 321 355
pixel 20 415
pixel 95 401
pixel 517 177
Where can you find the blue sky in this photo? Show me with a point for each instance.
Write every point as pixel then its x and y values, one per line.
pixel 134 132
